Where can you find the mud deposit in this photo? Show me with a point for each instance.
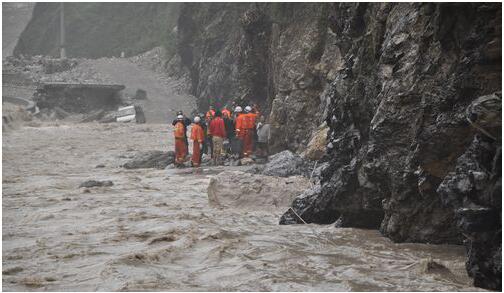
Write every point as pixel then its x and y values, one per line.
pixel 154 229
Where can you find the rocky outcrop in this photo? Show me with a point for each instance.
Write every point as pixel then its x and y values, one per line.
pixel 397 119
pixel 235 189
pixel 285 164
pixel 473 189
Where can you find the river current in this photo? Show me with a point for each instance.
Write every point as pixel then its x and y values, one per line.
pixel 154 229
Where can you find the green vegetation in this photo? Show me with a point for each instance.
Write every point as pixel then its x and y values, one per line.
pixel 100 29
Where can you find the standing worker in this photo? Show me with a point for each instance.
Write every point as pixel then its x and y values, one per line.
pixel 180 141
pixel 240 130
pixel 186 122
pixel 263 138
pixel 197 136
pixel 218 132
pixel 230 130
pixel 208 140
pixel 249 127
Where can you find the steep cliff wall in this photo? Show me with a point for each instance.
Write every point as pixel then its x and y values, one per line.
pixel 276 55
pixel 399 138
pixel 99 29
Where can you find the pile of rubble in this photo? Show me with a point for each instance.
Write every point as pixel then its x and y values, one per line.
pixel 41 69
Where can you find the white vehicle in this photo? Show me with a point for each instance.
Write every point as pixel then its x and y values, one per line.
pixel 130 114
pixel 126 114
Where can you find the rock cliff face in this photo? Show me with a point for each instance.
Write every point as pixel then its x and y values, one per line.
pixel 395 84
pixel 275 55
pixel 401 149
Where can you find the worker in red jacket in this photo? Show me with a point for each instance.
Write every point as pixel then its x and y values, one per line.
pixel 217 131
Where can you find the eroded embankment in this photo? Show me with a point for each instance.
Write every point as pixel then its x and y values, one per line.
pixel 155 230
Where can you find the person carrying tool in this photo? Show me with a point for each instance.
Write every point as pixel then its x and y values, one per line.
pixel 217 131
pixel 197 136
pixel 180 139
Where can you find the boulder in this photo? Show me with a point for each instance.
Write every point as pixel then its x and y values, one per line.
pixel 151 159
pixel 286 164
pixel 236 189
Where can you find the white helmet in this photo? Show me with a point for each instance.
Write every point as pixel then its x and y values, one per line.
pixel 180 117
pixel 248 109
pixel 238 109
pixel 197 119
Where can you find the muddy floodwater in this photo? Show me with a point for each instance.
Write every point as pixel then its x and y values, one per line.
pixel 154 229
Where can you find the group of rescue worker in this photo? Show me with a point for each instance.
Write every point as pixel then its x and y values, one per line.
pixel 239 133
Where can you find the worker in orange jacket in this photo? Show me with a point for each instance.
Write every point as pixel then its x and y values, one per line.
pixel 197 136
pixel 249 126
pixel 180 139
pixel 240 129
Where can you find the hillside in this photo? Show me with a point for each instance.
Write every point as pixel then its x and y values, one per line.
pixel 15 17
pixel 99 29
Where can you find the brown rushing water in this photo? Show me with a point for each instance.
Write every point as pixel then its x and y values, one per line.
pixel 154 229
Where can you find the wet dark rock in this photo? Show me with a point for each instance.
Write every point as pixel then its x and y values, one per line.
pixel 100 166
pixel 474 189
pixel 413 80
pixel 96 183
pixel 151 159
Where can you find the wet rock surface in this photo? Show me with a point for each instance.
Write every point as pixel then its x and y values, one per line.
pixel 151 159
pixel 285 164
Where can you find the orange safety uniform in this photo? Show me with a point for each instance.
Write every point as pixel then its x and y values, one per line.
pixel 197 136
pixel 240 123
pixel 248 140
pixel 180 145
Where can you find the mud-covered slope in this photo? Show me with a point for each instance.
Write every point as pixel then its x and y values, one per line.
pixel 99 29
